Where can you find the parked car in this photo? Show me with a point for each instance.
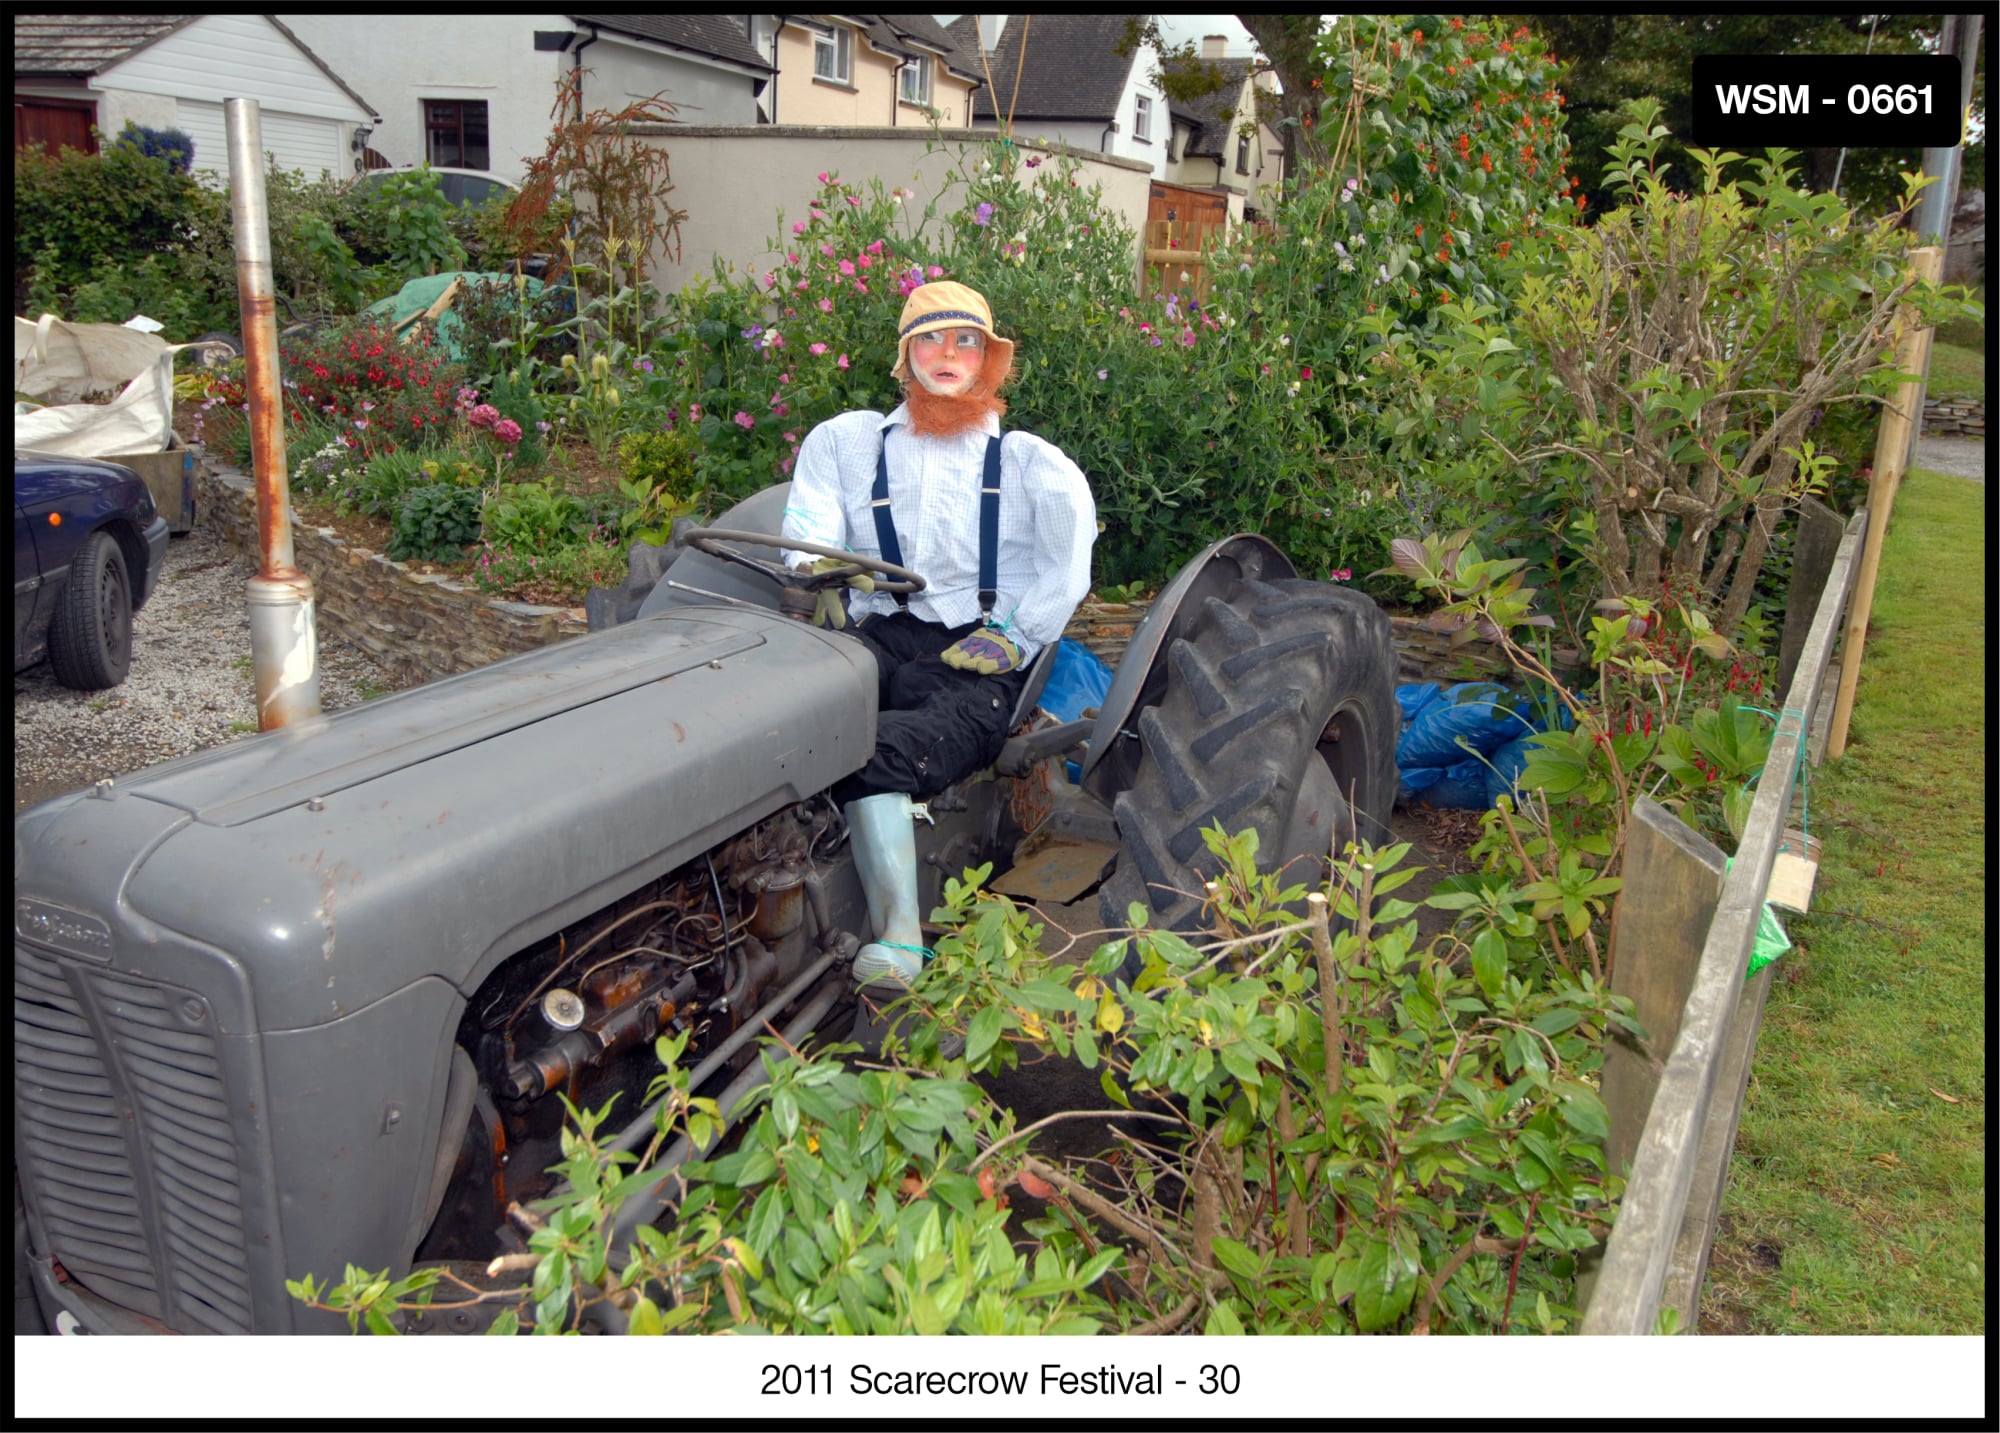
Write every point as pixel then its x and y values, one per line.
pixel 88 547
pixel 464 187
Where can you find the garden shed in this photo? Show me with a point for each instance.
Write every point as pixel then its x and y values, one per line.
pixel 76 73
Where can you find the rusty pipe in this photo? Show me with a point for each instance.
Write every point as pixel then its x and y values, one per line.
pixel 283 642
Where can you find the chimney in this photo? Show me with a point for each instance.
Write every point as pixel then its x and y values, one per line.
pixel 1214 47
pixel 990 27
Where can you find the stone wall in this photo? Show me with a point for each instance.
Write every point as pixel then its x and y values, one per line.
pixel 1954 418
pixel 415 625
pixel 418 625
pixel 1422 655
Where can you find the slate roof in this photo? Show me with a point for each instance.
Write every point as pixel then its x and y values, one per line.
pixel 1214 135
pixel 716 36
pixel 1073 70
pixel 919 35
pixel 79 46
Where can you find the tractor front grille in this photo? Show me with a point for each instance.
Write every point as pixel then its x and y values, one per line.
pixel 125 1142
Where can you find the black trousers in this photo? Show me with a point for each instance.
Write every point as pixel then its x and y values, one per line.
pixel 937 724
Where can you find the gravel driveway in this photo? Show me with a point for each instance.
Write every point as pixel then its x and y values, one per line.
pixel 190 686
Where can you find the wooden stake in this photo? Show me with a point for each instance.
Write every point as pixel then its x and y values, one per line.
pixel 1892 443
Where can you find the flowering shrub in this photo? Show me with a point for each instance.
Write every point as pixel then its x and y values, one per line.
pixel 359 374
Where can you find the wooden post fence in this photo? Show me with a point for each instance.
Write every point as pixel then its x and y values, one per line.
pixel 1892 447
pixel 1682 927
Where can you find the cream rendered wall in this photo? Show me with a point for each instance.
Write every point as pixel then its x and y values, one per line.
pixel 732 181
pixel 875 98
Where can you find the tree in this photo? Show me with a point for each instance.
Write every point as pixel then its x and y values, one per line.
pixel 1618 56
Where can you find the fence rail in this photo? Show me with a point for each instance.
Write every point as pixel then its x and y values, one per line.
pixel 1681 942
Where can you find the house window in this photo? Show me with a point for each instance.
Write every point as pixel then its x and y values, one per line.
pixel 833 56
pixel 1142 121
pixel 1242 154
pixel 916 81
pixel 455 133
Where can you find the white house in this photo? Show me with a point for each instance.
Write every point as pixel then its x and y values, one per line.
pixel 1071 84
pixel 73 73
pixel 475 91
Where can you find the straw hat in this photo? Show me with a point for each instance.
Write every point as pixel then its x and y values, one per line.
pixel 944 304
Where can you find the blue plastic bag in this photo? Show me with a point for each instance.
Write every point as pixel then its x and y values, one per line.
pixel 1481 713
pixel 1079 681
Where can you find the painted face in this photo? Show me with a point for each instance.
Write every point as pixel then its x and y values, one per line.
pixel 947 360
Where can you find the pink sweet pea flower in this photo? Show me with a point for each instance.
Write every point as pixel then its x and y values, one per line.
pixel 825 306
pixel 1306 372
pixel 841 362
pixel 799 228
pixel 864 261
pixel 847 267
pixel 817 349
pixel 822 176
pixel 744 420
pixel 936 272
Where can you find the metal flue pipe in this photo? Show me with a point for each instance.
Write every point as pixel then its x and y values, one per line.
pixel 284 654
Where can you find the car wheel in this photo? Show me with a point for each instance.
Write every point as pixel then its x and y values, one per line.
pixel 90 641
pixel 227 347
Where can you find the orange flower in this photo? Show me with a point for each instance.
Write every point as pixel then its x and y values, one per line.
pixel 1417 36
pixel 1486 161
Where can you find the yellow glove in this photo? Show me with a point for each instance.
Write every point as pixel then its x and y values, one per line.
pixel 831 612
pixel 989 652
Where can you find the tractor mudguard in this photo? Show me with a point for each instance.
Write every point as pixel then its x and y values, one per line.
pixel 1142 677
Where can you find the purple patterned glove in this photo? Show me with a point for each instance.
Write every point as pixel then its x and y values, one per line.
pixel 989 652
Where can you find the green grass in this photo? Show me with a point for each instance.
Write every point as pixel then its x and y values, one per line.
pixel 1956 372
pixel 1857 1195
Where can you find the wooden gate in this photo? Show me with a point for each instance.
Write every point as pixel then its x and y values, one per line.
pixel 1181 223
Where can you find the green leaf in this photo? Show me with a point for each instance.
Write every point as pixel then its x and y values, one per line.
pixel 1238 1259
pixel 645 1320
pixel 1554 1022
pixel 766 1221
pixel 1489 962
pixel 1583 1111
pixel 1222 1321
pixel 983 1034
pixel 1386 1286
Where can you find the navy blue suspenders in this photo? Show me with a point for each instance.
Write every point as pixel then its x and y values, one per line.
pixel 989 526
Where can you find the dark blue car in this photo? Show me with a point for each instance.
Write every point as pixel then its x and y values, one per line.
pixel 88 547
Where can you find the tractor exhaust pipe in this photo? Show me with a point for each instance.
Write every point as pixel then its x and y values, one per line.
pixel 283 646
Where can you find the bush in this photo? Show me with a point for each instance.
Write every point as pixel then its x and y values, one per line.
pixel 533 516
pixel 389 391
pixel 175 148
pixel 435 523
pixel 402 225
pixel 500 325
pixel 558 577
pixel 76 214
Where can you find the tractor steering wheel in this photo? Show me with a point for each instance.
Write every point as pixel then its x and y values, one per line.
pixel 892 579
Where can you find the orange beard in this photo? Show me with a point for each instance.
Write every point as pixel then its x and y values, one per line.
pixel 940 415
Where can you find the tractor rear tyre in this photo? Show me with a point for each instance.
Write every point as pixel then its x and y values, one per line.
pixel 1279 715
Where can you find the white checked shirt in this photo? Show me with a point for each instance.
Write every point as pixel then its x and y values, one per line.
pixel 1047 519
